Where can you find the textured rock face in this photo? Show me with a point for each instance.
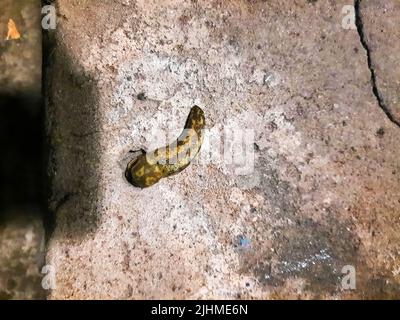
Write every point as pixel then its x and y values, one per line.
pixel 21 254
pixel 20 69
pixel 21 180
pixel 324 192
pixel 382 33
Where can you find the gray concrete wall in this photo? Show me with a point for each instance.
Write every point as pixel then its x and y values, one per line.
pixel 324 192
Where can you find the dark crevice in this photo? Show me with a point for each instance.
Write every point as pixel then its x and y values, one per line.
pixel 375 90
pixel 49 219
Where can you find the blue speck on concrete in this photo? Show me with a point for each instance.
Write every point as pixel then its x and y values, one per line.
pixel 244 242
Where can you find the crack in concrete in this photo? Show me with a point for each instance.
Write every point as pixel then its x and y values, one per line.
pixel 375 90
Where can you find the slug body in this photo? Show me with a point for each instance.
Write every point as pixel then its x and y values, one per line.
pixel 149 167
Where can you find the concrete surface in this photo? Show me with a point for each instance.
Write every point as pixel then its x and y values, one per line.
pixel 381 33
pixel 21 254
pixel 325 188
pixel 21 162
pixel 20 67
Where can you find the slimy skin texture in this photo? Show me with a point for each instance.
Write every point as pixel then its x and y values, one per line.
pixel 149 168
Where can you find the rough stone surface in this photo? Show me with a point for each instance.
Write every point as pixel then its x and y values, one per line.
pixel 21 180
pixel 382 34
pixel 21 59
pixel 325 188
pixel 21 254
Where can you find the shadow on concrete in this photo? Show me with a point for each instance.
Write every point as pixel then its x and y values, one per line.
pixel 22 174
pixel 74 152
pixel 22 196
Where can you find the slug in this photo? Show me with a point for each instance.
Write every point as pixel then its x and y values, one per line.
pixel 150 167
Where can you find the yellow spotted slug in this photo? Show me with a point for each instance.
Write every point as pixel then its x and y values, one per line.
pixel 149 167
